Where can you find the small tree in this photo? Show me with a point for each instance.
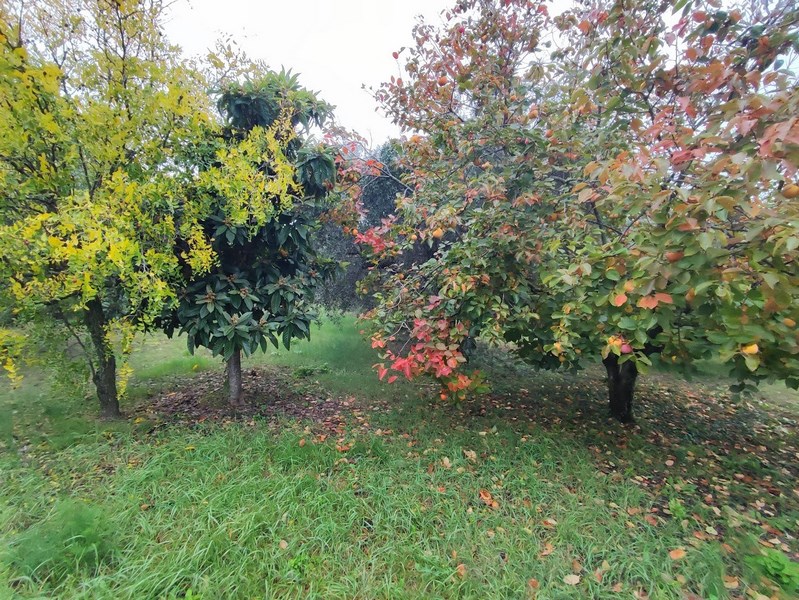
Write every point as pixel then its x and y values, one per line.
pixel 596 183
pixel 258 180
pixel 94 104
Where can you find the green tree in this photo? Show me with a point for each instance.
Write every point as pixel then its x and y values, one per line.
pixel 259 180
pixel 94 105
pixel 598 183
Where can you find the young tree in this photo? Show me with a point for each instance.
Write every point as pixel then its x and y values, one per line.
pixel 94 105
pixel 257 183
pixel 596 183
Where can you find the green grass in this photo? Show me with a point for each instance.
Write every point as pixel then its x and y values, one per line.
pixel 400 508
pixel 208 510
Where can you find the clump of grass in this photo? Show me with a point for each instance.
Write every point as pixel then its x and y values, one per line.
pixel 74 539
pixel 311 370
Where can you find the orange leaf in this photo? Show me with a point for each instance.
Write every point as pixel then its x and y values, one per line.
pixel 648 302
pixel 488 499
pixel 461 569
pixel 620 299
pixel 664 298
pixel 548 549
pixel 677 554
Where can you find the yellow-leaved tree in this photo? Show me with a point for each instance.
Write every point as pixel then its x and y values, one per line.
pixel 95 106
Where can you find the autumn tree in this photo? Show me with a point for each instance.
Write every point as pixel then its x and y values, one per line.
pixel 94 105
pixel 617 181
pixel 259 182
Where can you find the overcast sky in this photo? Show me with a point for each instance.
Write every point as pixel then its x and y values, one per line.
pixel 336 45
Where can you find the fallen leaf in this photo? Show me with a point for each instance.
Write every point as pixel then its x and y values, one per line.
pixel 548 549
pixel 488 499
pixel 571 579
pixel 283 544
pixel 470 455
pixel 550 523
pixel 302 442
pixel 445 462
pixel 731 583
pixel 461 569
pixel 533 583
pixel 677 554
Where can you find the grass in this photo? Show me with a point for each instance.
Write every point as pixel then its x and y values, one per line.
pixel 504 496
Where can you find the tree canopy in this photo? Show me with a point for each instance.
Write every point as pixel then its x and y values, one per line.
pixel 135 204
pixel 95 103
pixel 615 180
pixel 257 179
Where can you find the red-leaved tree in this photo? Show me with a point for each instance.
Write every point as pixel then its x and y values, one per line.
pixel 617 181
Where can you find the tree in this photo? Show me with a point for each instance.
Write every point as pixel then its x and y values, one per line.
pixel 257 182
pixel 94 105
pixel 596 183
pixel 370 178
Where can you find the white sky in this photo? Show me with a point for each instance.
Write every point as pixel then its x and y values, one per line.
pixel 335 45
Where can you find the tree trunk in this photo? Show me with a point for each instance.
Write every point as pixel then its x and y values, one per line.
pixel 233 382
pixel 621 383
pixel 105 372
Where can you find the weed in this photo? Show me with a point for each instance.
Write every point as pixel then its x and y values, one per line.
pixel 777 567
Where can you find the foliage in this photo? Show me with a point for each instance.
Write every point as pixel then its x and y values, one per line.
pixel 778 567
pixel 371 180
pixel 96 104
pixel 600 182
pixel 252 198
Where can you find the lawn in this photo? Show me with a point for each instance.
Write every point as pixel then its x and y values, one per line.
pixel 332 485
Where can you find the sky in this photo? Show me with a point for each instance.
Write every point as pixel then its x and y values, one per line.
pixel 337 46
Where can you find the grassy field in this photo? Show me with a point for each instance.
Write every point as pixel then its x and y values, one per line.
pixel 335 486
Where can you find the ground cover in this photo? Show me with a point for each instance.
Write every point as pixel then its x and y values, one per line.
pixel 331 485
